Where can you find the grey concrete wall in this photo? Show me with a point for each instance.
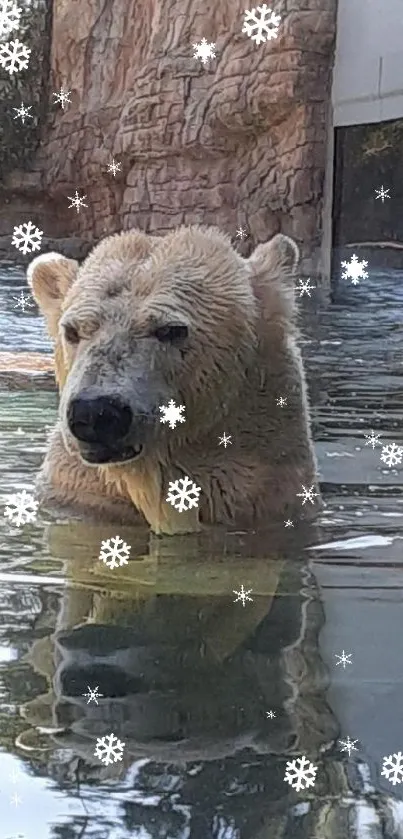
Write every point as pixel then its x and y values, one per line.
pixel 368 71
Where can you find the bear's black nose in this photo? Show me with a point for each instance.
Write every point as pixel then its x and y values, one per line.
pixel 104 419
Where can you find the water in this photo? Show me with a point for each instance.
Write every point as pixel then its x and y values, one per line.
pixel 187 676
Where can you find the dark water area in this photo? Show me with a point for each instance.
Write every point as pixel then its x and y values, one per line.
pixel 188 676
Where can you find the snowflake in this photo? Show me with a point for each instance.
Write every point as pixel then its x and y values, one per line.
pixel 9 17
pixel 241 233
pixel 21 508
pixel 15 799
pixel 114 167
pixel 93 694
pixel 23 112
pixel 307 494
pixel 14 56
pixel 305 287
pixel 15 776
pixel 300 773
pixel 114 552
pixel 204 50
pixel 172 413
pixel 270 714
pixel 183 497
pixel 63 96
pixel 382 193
pixel 27 238
pixel 243 595
pixel 266 25
pixel 354 270
pixel 344 659
pixel 281 401
pixel 289 523
pixel 23 302
pixel 225 441
pixel 108 750
pixel 393 772
pixel 392 454
pixel 349 746
pixel 372 439
pixel 77 202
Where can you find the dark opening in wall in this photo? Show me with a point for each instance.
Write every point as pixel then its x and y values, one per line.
pixel 20 138
pixel 367 159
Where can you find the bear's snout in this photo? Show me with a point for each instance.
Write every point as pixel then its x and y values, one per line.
pixel 101 419
pixel 107 428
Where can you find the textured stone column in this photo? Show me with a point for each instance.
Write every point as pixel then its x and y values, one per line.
pixel 239 141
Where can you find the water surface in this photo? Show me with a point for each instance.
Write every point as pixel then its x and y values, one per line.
pixel 187 676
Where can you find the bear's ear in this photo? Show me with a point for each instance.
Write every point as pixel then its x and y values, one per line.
pixel 273 267
pixel 50 276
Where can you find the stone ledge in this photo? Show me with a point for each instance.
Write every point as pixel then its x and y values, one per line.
pixel 26 371
pixel 72 247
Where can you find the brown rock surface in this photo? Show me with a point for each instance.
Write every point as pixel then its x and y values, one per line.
pixel 26 371
pixel 239 141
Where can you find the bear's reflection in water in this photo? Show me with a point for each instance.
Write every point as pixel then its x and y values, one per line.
pixel 187 677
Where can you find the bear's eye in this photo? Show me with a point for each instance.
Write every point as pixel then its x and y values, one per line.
pixel 70 333
pixel 171 333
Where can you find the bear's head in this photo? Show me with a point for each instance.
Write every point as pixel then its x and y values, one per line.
pixel 145 320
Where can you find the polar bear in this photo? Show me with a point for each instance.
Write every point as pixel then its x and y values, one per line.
pixel 146 320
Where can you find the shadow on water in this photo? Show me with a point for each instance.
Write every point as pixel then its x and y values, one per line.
pixel 187 676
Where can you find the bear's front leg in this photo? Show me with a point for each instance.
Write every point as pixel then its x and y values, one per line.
pixel 67 486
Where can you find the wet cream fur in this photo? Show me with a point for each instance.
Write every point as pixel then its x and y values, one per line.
pixel 243 355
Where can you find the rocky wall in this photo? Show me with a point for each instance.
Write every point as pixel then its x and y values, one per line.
pixel 239 141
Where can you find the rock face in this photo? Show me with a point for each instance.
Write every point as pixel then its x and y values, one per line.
pixel 26 371
pixel 237 142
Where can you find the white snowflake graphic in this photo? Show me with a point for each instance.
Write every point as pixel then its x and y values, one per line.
pixel 77 202
pixel 348 746
pixel 382 194
pixel 93 695
pixel 343 659
pixel 289 523
pixel 183 494
pixel 281 401
pixel 23 302
pixel 304 287
pixel 21 508
pixel 172 414
pixel 225 440
pixel 307 494
pixel 14 56
pixel 63 97
pixel 270 714
pixel 372 439
pixel 27 238
pixel 261 24
pixel 392 454
pixel 392 768
pixel 15 799
pixel 23 112
pixel 300 773
pixel 243 595
pixel 354 270
pixel 10 15
pixel 241 233
pixel 114 552
pixel 109 749
pixel 114 167
pixel 204 51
